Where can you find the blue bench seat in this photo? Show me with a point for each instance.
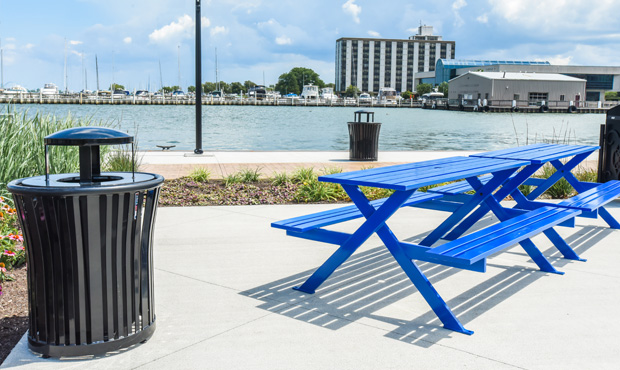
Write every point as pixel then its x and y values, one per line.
pixel 316 220
pixel 474 247
pixel 593 198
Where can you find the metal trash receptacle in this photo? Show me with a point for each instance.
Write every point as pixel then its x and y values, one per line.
pixel 89 250
pixel 609 153
pixel 364 137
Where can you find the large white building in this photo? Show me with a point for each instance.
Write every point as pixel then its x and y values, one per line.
pixel 370 63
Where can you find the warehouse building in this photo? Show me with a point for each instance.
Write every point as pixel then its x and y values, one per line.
pixel 502 88
pixel 370 63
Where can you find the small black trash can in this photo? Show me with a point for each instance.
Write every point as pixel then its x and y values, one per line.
pixel 89 250
pixel 364 137
pixel 609 154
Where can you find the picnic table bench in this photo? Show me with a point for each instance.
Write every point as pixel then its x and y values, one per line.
pixel 469 252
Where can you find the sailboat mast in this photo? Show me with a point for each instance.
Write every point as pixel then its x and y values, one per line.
pixel 217 81
pixel 161 79
pixel 66 74
pixel 97 71
pixel 179 65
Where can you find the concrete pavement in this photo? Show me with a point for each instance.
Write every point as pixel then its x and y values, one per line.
pixel 223 280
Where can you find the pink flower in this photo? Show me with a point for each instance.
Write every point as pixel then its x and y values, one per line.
pixel 9 253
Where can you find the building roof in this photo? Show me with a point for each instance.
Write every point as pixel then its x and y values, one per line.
pixel 461 63
pixel 525 76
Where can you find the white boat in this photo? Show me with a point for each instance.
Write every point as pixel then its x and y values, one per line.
pixel 327 93
pixel 15 90
pixel 365 98
pixel 49 89
pixel 432 96
pixel 387 95
pixel 310 92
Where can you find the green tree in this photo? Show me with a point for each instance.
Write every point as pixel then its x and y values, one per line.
pixel 209 86
pixel 407 94
pixel 191 89
pixel 248 84
pixel 116 87
pixel 296 78
pixel 612 95
pixel 443 88
pixel 237 88
pixel 422 89
pixel 352 91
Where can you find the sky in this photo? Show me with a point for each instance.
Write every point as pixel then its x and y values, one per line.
pixel 259 40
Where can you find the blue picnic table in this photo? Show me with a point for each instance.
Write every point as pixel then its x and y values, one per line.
pixel 468 252
pixel 564 158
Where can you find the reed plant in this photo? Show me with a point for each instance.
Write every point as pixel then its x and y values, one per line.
pixel 200 174
pixel 22 151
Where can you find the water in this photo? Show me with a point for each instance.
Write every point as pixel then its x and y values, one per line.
pixel 323 128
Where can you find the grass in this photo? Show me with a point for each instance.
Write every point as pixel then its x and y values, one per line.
pixel 22 151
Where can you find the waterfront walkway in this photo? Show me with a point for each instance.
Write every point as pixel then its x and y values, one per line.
pixel 173 164
pixel 227 302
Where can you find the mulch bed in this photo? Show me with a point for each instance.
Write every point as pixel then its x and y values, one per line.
pixel 13 311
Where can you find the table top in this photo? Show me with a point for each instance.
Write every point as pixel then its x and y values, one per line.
pixel 415 175
pixel 539 153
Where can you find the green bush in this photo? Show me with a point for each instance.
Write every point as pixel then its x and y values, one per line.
pixel 22 151
pixel 200 174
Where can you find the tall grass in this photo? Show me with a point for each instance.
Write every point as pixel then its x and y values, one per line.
pixel 22 151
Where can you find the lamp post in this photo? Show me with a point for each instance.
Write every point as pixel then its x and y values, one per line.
pixel 198 149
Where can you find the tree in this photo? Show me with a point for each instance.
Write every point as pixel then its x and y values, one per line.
pixel 443 88
pixel 296 78
pixel 191 89
pixel 612 95
pixel 407 94
pixel 237 88
pixel 352 91
pixel 422 89
pixel 248 84
pixel 116 87
pixel 209 86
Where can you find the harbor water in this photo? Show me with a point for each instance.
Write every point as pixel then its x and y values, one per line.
pixel 269 128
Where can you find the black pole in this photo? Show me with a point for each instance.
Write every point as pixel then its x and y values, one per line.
pixel 198 149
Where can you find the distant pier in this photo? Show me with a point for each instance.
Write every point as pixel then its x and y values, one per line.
pixel 493 107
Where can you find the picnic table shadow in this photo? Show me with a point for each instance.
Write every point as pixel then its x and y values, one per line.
pixel 372 280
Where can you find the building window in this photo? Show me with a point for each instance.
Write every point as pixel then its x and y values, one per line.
pixel 561 97
pixel 516 97
pixel 537 97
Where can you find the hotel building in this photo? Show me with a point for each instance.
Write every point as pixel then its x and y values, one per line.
pixel 370 63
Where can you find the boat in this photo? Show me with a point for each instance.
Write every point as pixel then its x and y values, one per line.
pixel 310 92
pixel 178 94
pixel 15 90
pixel 432 96
pixel 327 93
pixel 49 89
pixel 387 95
pixel 257 92
pixel 365 98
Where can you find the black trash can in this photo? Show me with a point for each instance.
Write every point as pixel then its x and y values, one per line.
pixel 609 154
pixel 364 137
pixel 89 250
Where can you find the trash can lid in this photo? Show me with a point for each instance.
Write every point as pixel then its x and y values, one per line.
pixel 88 136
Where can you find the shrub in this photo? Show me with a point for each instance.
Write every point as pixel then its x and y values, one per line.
pixel 247 175
pixel 12 252
pixel 200 174
pixel 280 179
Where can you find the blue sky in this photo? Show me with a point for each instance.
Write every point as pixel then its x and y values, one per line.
pixel 260 37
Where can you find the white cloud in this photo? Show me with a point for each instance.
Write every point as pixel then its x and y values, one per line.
pixel 374 33
pixel 205 22
pixel 74 42
pixel 283 40
pixel 558 17
pixel 484 18
pixel 219 30
pixel 560 60
pixel 350 7
pixel 127 40
pixel 456 7
pixel 28 46
pixel 181 29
